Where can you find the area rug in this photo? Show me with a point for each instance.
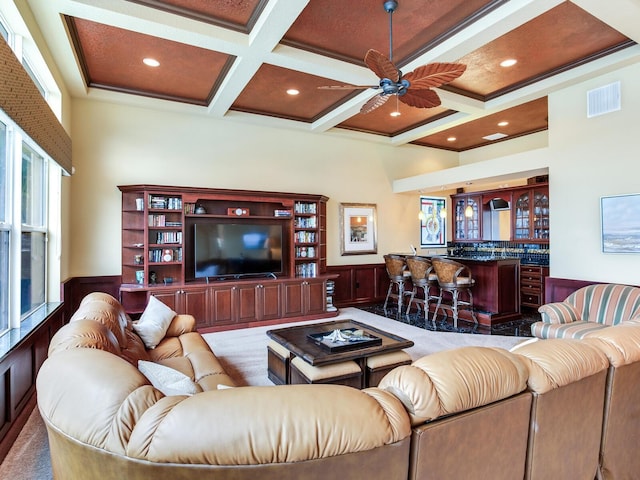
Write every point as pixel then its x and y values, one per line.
pixel 243 354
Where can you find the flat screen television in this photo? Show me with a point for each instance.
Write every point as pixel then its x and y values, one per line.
pixel 237 249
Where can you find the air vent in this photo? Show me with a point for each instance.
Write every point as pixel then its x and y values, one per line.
pixel 603 100
pixel 495 136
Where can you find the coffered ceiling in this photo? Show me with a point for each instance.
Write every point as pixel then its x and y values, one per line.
pixel 238 58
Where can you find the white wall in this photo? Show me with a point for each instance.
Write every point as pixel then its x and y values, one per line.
pixel 118 145
pixel 591 158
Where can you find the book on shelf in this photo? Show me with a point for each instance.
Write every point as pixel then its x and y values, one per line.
pixel 301 207
pixel 168 237
pixel 305 237
pixel 162 202
pixel 306 269
pixel 281 213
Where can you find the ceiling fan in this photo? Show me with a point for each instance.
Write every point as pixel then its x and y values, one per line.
pixel 414 88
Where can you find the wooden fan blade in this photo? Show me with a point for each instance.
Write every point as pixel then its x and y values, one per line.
pixel 434 75
pixel 348 87
pixel 374 103
pixel 420 98
pixel 381 66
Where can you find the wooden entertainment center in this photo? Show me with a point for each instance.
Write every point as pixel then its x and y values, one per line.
pixel 159 257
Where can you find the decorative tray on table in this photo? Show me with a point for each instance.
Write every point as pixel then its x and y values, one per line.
pixel 344 339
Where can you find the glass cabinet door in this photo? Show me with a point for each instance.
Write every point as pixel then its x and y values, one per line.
pixel 521 216
pixel 466 224
pixel 473 221
pixel 540 215
pixel 459 230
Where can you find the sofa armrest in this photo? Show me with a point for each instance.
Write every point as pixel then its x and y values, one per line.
pixel 181 324
pixel 559 312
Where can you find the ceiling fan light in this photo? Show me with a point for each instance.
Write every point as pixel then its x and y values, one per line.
pixel 395 113
pixel 293 91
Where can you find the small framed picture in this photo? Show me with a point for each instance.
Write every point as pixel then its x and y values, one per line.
pixel 433 226
pixel 358 234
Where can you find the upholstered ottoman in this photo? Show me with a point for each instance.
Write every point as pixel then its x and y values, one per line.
pixel 377 366
pixel 344 373
pixel 278 358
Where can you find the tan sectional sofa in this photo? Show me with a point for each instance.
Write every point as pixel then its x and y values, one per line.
pixel 105 420
pixel 535 412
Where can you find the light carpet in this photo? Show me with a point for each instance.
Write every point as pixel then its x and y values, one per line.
pixel 243 354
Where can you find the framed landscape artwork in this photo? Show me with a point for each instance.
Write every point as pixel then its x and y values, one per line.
pixel 433 226
pixel 620 216
pixel 358 229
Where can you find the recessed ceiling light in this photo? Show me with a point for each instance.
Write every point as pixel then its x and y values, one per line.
pixel 451 139
pixel 503 124
pixel 151 62
pixel 395 114
pixel 495 136
pixel 510 62
pixel 293 91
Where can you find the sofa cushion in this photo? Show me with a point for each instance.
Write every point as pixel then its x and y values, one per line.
pixel 154 322
pixel 104 313
pixel 565 330
pixel 168 380
pixel 453 381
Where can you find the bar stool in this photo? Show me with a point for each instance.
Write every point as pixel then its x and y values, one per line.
pixel 455 278
pixel 422 276
pixel 395 265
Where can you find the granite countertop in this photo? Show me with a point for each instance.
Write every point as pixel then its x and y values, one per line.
pixel 480 258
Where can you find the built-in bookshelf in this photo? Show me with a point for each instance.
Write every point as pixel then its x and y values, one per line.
pixel 164 228
pixel 306 238
pixel 158 225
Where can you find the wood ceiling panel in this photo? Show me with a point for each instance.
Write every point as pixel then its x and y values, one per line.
pixel 235 14
pixel 381 122
pixel 266 94
pixel 112 59
pixel 524 119
pixel 558 38
pixel 346 30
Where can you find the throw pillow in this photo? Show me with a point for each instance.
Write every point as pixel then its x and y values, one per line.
pixel 168 380
pixel 154 322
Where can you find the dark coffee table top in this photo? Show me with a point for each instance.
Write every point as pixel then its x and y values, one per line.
pixel 296 339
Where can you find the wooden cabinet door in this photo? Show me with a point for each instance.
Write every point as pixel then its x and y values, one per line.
pixel 221 305
pixel 194 302
pixel 315 297
pixel 293 304
pixel 245 304
pixel 169 298
pixel 269 303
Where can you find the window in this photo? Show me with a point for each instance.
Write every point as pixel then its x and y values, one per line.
pixel 30 183
pixel 4 231
pixel 34 233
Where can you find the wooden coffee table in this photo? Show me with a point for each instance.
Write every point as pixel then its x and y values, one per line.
pixel 297 341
